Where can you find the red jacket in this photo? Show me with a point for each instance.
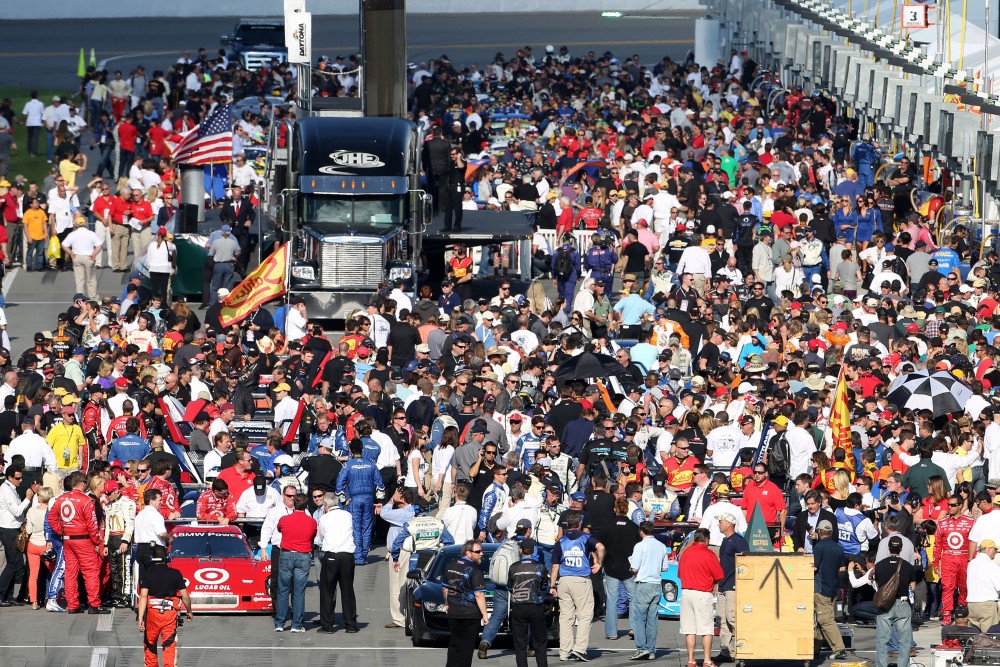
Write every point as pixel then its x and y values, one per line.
pixel 127 134
pixel 210 508
pixel 699 569
pixel 74 513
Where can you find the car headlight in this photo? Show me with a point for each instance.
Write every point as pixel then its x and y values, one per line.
pixel 669 591
pixel 304 272
pixel 400 273
pixel 434 607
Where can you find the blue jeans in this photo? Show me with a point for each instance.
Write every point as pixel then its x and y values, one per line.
pixel 292 578
pixel 898 618
pixel 50 145
pixel 499 615
pixel 612 592
pixel 809 271
pixel 645 604
pixel 36 256
pixel 222 276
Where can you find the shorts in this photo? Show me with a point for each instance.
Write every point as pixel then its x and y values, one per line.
pixel 697 615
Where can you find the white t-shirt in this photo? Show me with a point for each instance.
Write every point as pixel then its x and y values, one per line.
pixel 415 463
pixel 295 325
pixel 81 241
pixel 32 113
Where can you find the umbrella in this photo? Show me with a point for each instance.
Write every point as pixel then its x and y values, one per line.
pixel 940 392
pixel 589 365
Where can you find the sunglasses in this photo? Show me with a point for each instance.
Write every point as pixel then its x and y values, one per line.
pixel 477 551
pixel 953 504
pixel 760 472
pixel 288 495
pixel 142 469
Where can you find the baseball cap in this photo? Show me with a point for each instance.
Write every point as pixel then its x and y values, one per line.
pixel 283 387
pixel 523 524
pixel 781 420
pixel 227 406
pixel 825 525
pixel 580 496
pixel 121 383
pixel 478 428
pixel 111 485
pixel 988 544
pixel 527 544
pixel 227 228
pixel 79 350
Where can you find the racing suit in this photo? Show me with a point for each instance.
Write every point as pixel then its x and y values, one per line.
pixel 494 502
pixel 360 481
pixel 164 583
pixel 91 425
pixel 418 534
pixel 74 516
pixel 170 505
pixel 951 555
pixel 59 571
pixel 119 520
pixel 210 508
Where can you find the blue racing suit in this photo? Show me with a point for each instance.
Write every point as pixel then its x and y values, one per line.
pixel 59 571
pixel 129 446
pixel 360 481
pixel 371 451
pixel 601 262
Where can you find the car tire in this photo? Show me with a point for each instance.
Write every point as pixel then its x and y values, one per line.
pixel 417 636
pixel 408 618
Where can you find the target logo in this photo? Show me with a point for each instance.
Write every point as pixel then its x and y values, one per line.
pixel 67 511
pixel 211 575
pixel 956 540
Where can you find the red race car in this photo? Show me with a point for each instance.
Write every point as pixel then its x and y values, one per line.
pixel 221 573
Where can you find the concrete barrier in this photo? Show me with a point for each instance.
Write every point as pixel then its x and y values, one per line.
pixel 70 9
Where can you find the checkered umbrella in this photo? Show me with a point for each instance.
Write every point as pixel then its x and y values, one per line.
pixel 940 392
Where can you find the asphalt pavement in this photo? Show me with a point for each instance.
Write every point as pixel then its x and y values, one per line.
pixel 42 638
pixel 45 53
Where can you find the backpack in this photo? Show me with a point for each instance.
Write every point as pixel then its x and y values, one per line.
pixel 508 554
pixel 778 457
pixel 564 264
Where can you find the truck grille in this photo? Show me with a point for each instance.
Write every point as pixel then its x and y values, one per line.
pixel 350 263
pixel 254 60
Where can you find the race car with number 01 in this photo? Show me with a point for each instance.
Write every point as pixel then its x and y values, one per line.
pixel 425 610
pixel 219 568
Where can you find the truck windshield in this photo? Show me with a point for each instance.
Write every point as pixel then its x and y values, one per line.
pixel 339 214
pixel 261 34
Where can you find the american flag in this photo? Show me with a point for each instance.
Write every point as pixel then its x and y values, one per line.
pixel 210 141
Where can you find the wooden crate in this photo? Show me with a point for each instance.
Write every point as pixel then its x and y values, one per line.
pixel 774 607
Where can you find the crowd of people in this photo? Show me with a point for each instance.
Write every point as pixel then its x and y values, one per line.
pixel 741 261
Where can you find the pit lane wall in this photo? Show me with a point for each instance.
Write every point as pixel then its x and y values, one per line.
pixel 898 103
pixel 70 9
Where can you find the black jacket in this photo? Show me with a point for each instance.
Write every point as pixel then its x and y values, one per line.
pixel 323 471
pixel 800 529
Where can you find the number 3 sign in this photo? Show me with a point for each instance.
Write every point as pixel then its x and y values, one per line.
pixel 914 17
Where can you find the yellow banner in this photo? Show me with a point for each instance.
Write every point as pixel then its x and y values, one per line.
pixel 840 416
pixel 265 283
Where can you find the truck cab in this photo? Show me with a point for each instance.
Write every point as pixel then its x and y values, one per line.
pixel 352 209
pixel 254 43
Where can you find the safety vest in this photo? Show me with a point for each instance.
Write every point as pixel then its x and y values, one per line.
pixel 847 530
pixel 575 562
pixel 425 533
pixel 654 504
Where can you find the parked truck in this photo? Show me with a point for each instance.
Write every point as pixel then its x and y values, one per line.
pixel 346 193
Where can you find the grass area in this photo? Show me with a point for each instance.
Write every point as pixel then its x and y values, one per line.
pixel 34 169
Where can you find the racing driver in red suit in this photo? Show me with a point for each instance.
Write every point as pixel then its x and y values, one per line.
pixel 74 517
pixel 216 503
pixel 951 556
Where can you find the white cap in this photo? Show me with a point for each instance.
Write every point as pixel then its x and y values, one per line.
pixel 760 121
pixel 493 201
pixel 710 229
pixel 727 195
pixel 222 291
pixel 744 388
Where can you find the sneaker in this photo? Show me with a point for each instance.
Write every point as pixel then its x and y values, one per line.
pixel 839 655
pixel 298 629
pixel 99 610
pixel 483 648
pixel 52 605
pixel 582 657
pixel 278 628
pixel 569 658
pixel 638 655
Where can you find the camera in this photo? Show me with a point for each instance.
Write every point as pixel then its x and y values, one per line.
pixel 893 498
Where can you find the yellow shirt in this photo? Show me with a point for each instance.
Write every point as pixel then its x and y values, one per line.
pixel 67 443
pixel 35 224
pixel 68 170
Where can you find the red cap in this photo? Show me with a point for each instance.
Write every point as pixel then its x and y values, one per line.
pixel 363 352
pixel 162 231
pixel 669 420
pixel 839 326
pixel 912 328
pixel 227 406
pixel 69 410
pixel 112 485
pixel 587 404
pixel 644 222
pixel 796 305
pixel 121 382
pixel 814 344
pixel 886 415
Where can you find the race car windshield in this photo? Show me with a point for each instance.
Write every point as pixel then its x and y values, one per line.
pixel 441 563
pixel 209 545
